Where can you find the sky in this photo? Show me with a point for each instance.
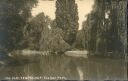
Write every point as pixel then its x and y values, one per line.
pixel 48 7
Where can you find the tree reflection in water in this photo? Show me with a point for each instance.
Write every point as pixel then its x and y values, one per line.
pixel 69 67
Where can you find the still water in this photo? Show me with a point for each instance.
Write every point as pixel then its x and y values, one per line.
pixel 64 67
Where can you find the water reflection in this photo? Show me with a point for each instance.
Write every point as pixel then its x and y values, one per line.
pixel 68 67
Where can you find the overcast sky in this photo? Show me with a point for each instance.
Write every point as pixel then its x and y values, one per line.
pixel 48 7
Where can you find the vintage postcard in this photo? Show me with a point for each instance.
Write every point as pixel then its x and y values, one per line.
pixel 43 40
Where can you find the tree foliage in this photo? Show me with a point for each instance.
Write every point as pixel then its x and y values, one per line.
pixel 41 34
pixel 34 29
pixel 67 19
pixel 13 16
pixel 52 40
pixel 105 27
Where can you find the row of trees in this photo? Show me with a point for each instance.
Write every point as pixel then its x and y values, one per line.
pixel 19 30
pixel 58 35
pixel 41 34
pixel 104 31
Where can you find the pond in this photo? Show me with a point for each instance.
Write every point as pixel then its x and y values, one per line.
pixel 65 67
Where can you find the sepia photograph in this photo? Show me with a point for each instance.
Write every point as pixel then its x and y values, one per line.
pixel 59 40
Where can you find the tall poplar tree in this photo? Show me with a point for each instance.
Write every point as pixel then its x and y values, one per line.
pixel 67 19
